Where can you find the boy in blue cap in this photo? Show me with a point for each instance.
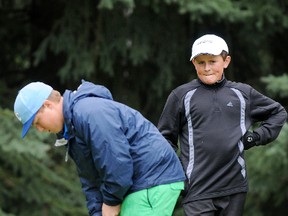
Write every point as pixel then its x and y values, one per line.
pixel 125 165
pixel 211 116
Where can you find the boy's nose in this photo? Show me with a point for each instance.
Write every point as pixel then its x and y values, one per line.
pixel 207 67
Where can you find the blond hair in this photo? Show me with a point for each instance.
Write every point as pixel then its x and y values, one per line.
pixel 54 96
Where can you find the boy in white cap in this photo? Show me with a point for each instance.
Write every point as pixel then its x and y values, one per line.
pixel 212 116
pixel 125 165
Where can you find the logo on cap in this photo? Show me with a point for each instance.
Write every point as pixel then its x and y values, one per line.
pixel 208 44
pixel 18 116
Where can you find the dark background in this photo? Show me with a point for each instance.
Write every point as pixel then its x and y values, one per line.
pixel 140 50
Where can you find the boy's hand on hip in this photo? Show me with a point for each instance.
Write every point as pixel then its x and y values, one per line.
pixel 250 139
pixel 110 210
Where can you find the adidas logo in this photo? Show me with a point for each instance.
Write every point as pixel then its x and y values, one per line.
pixel 230 104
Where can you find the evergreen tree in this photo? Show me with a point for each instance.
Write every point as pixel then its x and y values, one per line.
pixel 34 179
pixel 268 178
pixel 140 50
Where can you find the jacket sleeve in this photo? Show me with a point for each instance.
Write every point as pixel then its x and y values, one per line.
pixel 104 133
pixel 269 113
pixel 93 198
pixel 170 120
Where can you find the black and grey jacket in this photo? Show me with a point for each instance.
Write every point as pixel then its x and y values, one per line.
pixel 209 121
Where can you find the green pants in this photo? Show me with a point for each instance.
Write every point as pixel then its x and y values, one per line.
pixel 155 201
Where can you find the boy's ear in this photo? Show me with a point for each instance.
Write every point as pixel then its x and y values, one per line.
pixel 227 61
pixel 193 61
pixel 47 103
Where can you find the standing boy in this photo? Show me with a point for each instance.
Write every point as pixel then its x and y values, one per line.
pixel 211 117
pixel 125 165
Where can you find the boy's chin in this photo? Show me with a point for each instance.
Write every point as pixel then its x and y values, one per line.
pixel 209 82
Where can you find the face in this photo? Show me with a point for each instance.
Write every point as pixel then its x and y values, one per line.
pixel 210 68
pixel 49 118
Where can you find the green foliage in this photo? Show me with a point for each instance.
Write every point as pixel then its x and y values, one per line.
pixel 139 45
pixel 220 9
pixel 268 174
pixel 277 86
pixel 34 176
pixel 140 50
pixel 268 165
pixel 70 37
pixel 109 4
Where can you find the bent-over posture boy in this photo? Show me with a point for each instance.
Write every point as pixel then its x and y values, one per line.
pixel 125 165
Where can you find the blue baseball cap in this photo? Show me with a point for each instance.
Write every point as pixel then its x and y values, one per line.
pixel 28 101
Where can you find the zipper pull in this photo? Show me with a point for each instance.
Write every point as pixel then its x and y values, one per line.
pixel 60 142
pixel 66 156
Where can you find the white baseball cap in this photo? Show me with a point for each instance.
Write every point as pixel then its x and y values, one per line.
pixel 208 44
pixel 28 101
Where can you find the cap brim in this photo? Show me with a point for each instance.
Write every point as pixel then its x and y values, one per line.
pixel 27 125
pixel 198 54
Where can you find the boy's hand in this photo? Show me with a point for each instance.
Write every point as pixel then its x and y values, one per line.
pixel 110 210
pixel 250 139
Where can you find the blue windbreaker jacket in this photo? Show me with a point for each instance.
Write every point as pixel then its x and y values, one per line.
pixel 116 150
